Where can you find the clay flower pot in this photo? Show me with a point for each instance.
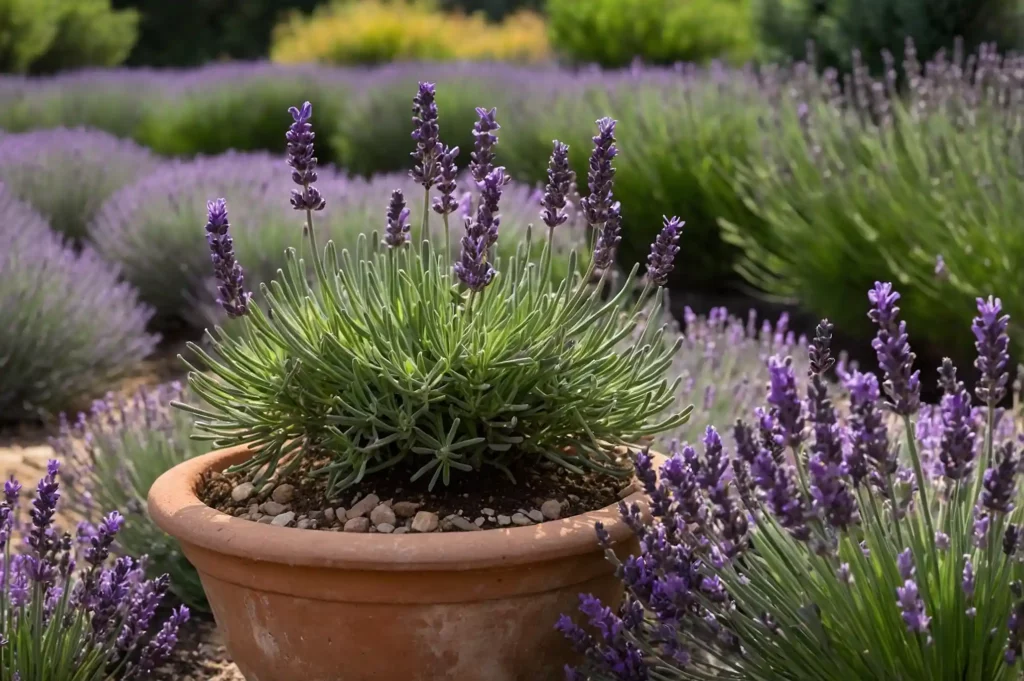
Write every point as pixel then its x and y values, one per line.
pixel 306 605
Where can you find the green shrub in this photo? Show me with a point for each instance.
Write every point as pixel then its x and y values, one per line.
pixel 113 456
pixel 839 28
pixel 615 32
pixel 234 107
pixel 194 32
pixel 43 36
pixel 849 196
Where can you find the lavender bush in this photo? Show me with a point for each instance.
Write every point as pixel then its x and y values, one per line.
pixel 158 215
pixel 68 613
pixel 824 547
pixel 438 362
pixel 113 455
pixel 67 174
pixel 71 327
pixel 847 167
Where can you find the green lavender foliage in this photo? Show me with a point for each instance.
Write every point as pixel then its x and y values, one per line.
pixel 862 184
pixel 112 456
pixel 389 361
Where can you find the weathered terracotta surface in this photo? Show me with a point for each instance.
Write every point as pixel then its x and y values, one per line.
pixel 305 605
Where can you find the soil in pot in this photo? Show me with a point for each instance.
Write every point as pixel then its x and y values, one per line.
pixel 388 502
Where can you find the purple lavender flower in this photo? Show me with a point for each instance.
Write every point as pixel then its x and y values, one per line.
pixel 902 383
pixel 905 564
pixel 484 140
pixel 663 251
pixel 141 611
pixel 426 133
pixel 982 521
pixel 487 212
pixel 781 493
pixel 942 541
pixel 613 650
pixel 820 350
pixel 446 204
pixel 160 647
pixel 957 439
pixel 992 342
pixel 967 583
pixel 41 536
pixel 231 280
pixel 300 138
pixel 560 180
pixel 101 540
pixel 912 607
pixel 869 437
pixel 397 231
pixel 12 491
pixel 472 268
pixel 597 206
pixel 783 396
pixel 1000 481
pixel 609 238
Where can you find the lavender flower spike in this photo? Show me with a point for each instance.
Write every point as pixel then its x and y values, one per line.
pixel 231 281
pixel 597 206
pixel 300 138
pixel 663 251
pixel 446 204
pixel 902 383
pixel 397 231
pixel 912 607
pixel 783 395
pixel 487 217
pixel 608 240
pixel 482 158
pixel 992 342
pixel 40 536
pixel 1000 481
pixel 426 132
pixel 560 179
pixel 472 268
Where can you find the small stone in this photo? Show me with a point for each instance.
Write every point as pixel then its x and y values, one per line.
pixel 627 490
pixel 254 509
pixel 316 515
pixel 487 511
pixel 405 509
pixel 551 509
pixel 388 503
pixel 479 522
pixel 239 512
pixel 304 524
pixel 574 497
pixel 504 520
pixel 339 514
pixel 242 492
pixel 425 522
pixel 536 516
pixel 520 519
pixel 363 506
pixel 283 520
pixel 401 530
pixel 255 516
pixel 461 523
pixel 357 524
pixel 283 494
pixel 382 515
pixel 385 528
pixel 329 515
pixel 266 520
pixel 273 508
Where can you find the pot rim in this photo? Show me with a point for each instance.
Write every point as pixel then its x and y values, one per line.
pixel 176 508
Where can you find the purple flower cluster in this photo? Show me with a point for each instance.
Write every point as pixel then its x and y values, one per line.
pixel 715 555
pixel 560 181
pixel 234 298
pixel 445 204
pixel 599 207
pixel 902 383
pixel 473 267
pixel 73 327
pixel 663 251
pixel 46 594
pixel 426 132
pixel 484 141
pixel 397 231
pixel 993 344
pixel 300 138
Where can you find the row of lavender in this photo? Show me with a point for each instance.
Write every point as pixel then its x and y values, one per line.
pixel 802 184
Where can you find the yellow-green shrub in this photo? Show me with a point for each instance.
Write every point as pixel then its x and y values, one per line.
pixel 378 31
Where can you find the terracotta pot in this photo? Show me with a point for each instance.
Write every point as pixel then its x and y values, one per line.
pixel 306 605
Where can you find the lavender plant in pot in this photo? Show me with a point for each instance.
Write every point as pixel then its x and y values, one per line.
pixel 415 447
